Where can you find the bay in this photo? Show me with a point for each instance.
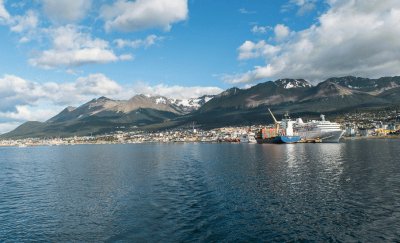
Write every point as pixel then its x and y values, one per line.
pixel 348 191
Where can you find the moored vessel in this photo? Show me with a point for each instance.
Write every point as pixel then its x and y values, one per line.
pixel 323 130
pixel 281 133
pixel 247 138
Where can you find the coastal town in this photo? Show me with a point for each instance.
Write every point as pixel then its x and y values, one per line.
pixel 385 124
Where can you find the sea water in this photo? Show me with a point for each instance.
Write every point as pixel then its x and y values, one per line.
pixel 348 191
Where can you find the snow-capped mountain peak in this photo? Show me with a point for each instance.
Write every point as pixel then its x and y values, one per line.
pixel 191 104
pixel 292 83
pixel 183 105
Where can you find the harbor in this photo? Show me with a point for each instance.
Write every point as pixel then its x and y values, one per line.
pixel 312 131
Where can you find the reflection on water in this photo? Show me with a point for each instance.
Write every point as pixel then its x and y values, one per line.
pixel 201 192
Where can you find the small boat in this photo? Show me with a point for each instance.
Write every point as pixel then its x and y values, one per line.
pixel 247 138
pixel 252 138
pixel 244 138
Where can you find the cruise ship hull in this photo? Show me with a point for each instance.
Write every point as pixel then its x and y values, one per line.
pixel 324 136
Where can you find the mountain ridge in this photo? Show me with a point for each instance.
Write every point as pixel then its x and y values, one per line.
pixel 230 107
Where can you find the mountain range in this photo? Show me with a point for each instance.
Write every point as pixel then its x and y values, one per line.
pixel 232 107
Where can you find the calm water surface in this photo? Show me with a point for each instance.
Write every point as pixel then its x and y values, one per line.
pixel 202 192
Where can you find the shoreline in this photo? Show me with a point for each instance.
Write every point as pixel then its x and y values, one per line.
pixel 372 137
pixel 172 142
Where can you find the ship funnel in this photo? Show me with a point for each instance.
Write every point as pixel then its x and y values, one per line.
pixel 299 121
pixel 322 117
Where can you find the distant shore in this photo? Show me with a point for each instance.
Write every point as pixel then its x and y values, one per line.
pixel 171 142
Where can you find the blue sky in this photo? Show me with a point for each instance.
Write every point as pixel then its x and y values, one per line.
pixel 196 50
pixel 56 53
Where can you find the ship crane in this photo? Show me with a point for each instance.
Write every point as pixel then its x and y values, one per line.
pixel 273 117
pixel 276 121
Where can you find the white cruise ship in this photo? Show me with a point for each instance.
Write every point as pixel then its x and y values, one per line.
pixel 326 131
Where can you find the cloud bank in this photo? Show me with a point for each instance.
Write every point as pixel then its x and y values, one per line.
pixel 352 38
pixel 24 100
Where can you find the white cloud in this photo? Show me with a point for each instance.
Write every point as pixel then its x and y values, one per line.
pixel 97 84
pixel 175 91
pixel 74 48
pixel 352 38
pixel 249 50
pixel 12 119
pixel 8 126
pixel 146 43
pixel 69 58
pixel 126 57
pixel 4 15
pixel 24 100
pixel 81 90
pixel 28 113
pixel 16 91
pixel 246 11
pixel 281 32
pixel 24 39
pixel 250 76
pixel 137 15
pixel 260 29
pixel 66 10
pixel 303 6
pixel 25 23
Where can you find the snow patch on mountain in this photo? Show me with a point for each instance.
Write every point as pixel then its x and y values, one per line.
pixel 188 103
pixel 191 104
pixel 161 100
pixel 293 83
pixel 182 105
pixel 207 99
